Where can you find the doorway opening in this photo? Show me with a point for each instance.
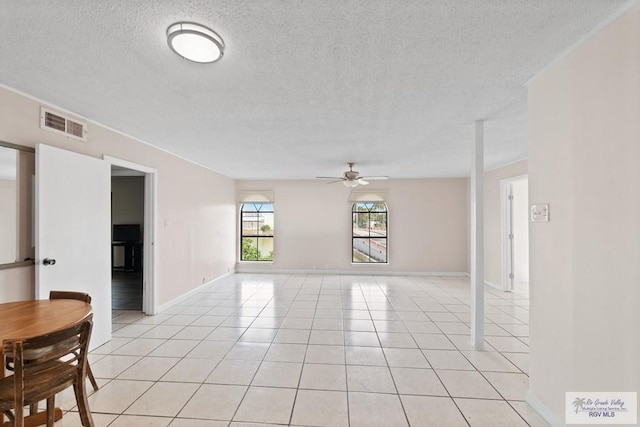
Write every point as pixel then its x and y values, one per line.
pixel 133 236
pixel 127 231
pixel 515 234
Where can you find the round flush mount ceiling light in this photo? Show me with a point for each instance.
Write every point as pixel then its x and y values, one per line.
pixel 194 42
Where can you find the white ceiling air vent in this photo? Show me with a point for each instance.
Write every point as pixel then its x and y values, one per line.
pixel 56 122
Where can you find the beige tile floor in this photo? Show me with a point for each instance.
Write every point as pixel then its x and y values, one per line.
pixel 316 350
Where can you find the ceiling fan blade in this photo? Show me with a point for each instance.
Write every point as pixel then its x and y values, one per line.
pixel 374 178
pixel 352 178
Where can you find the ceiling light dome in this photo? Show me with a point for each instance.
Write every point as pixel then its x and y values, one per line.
pixel 195 42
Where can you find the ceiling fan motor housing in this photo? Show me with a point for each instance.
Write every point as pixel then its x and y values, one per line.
pixel 351 175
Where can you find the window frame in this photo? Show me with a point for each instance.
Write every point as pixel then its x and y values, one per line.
pixel 257 237
pixel 370 237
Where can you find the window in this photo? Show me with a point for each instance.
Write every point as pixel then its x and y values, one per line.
pixel 257 232
pixel 369 238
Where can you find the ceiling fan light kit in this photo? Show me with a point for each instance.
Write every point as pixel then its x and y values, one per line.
pixel 351 178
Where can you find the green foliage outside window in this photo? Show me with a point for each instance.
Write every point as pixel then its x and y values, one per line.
pixel 250 252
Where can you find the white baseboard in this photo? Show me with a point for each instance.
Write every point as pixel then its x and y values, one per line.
pixel 543 410
pixel 493 285
pixel 488 283
pixel 191 292
pixel 245 270
pixel 285 271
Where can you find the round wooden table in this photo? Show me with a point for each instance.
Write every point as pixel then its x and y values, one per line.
pixel 27 319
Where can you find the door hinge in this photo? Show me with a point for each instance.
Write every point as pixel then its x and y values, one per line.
pixel 510 275
pixel 510 236
pixel 510 196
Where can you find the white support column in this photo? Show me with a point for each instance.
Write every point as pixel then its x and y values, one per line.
pixel 477 240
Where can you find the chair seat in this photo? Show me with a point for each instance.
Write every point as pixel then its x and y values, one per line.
pixel 40 383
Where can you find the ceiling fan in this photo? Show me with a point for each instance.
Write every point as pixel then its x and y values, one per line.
pixel 352 178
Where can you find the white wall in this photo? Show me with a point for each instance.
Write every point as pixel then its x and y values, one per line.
pixel 26 171
pixel 8 223
pixel 16 284
pixel 584 152
pixel 196 207
pixel 127 198
pixel 492 219
pixel 428 226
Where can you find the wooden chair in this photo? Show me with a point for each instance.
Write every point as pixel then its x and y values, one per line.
pixel 80 296
pixel 46 365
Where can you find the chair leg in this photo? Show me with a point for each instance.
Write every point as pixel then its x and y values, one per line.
pixel 33 408
pixel 92 378
pixel 83 405
pixel 51 404
pixel 18 416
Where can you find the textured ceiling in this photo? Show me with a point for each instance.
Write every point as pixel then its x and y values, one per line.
pixel 305 86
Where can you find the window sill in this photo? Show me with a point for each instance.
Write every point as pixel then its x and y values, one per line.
pixel 254 262
pixel 369 263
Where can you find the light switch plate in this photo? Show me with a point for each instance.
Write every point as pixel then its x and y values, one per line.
pixel 540 212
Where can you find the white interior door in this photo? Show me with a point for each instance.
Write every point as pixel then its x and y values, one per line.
pixel 73 228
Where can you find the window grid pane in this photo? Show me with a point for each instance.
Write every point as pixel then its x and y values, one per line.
pixel 257 232
pixel 369 235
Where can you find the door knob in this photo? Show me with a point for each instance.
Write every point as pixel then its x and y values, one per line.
pixel 49 261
